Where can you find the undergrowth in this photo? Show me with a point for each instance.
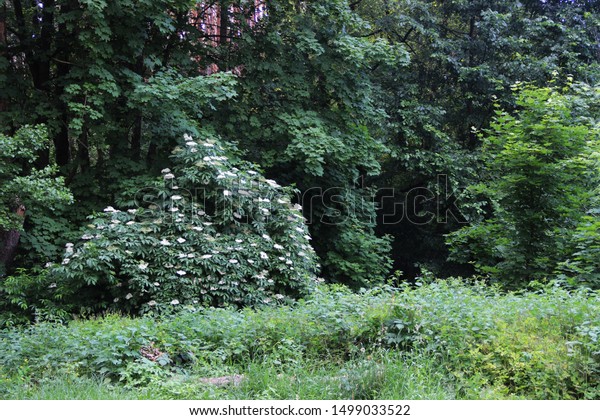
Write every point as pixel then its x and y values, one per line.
pixel 443 340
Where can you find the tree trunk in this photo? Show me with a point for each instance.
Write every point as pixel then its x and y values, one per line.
pixel 38 52
pixel 151 155
pixel 83 150
pixel 9 241
pixel 136 137
pixel 472 137
pixel 3 25
pixel 3 106
pixel 224 23
pixel 61 140
pixel 61 137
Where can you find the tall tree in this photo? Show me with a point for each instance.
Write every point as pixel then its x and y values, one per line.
pixel 465 55
pixel 306 111
pixel 540 181
pixel 75 67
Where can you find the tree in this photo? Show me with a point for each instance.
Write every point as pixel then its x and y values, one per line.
pixel 539 180
pixel 463 54
pixel 21 188
pixel 306 111
pixel 336 98
pixel 75 67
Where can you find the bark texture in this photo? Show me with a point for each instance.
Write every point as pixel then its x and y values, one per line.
pixel 9 241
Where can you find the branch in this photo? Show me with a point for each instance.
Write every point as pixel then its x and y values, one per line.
pixel 355 4
pixel 63 62
pixel 405 37
pixel 378 31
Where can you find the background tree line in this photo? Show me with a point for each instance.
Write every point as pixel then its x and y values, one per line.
pixel 335 95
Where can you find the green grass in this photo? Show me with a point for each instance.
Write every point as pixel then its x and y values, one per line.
pixel 70 388
pixel 444 340
pixel 391 377
pixel 386 375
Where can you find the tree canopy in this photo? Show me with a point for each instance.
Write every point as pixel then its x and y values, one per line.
pixel 415 135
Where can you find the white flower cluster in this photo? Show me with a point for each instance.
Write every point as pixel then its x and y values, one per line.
pixel 205 257
pixel 215 158
pixel 226 174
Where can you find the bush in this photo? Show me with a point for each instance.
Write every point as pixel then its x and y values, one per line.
pixel 210 232
pixel 332 323
pixel 582 269
pixel 28 296
pixel 533 345
pixel 522 359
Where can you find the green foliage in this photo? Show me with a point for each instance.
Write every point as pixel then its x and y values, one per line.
pixel 501 346
pixel 408 378
pixel 456 341
pixel 46 233
pixel 521 359
pixel 332 97
pixel 328 324
pixel 40 190
pixel 464 56
pixel 540 177
pixel 68 387
pixel 581 269
pixel 33 186
pixel 172 105
pixel 306 111
pixel 212 231
pixel 28 296
pixel 358 256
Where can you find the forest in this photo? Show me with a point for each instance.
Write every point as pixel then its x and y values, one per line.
pixel 284 199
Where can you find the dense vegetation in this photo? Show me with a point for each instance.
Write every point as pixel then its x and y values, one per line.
pixel 442 340
pixel 178 177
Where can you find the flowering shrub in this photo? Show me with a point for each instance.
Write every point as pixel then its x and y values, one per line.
pixel 207 233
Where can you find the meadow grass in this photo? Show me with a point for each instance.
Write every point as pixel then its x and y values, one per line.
pixel 443 340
